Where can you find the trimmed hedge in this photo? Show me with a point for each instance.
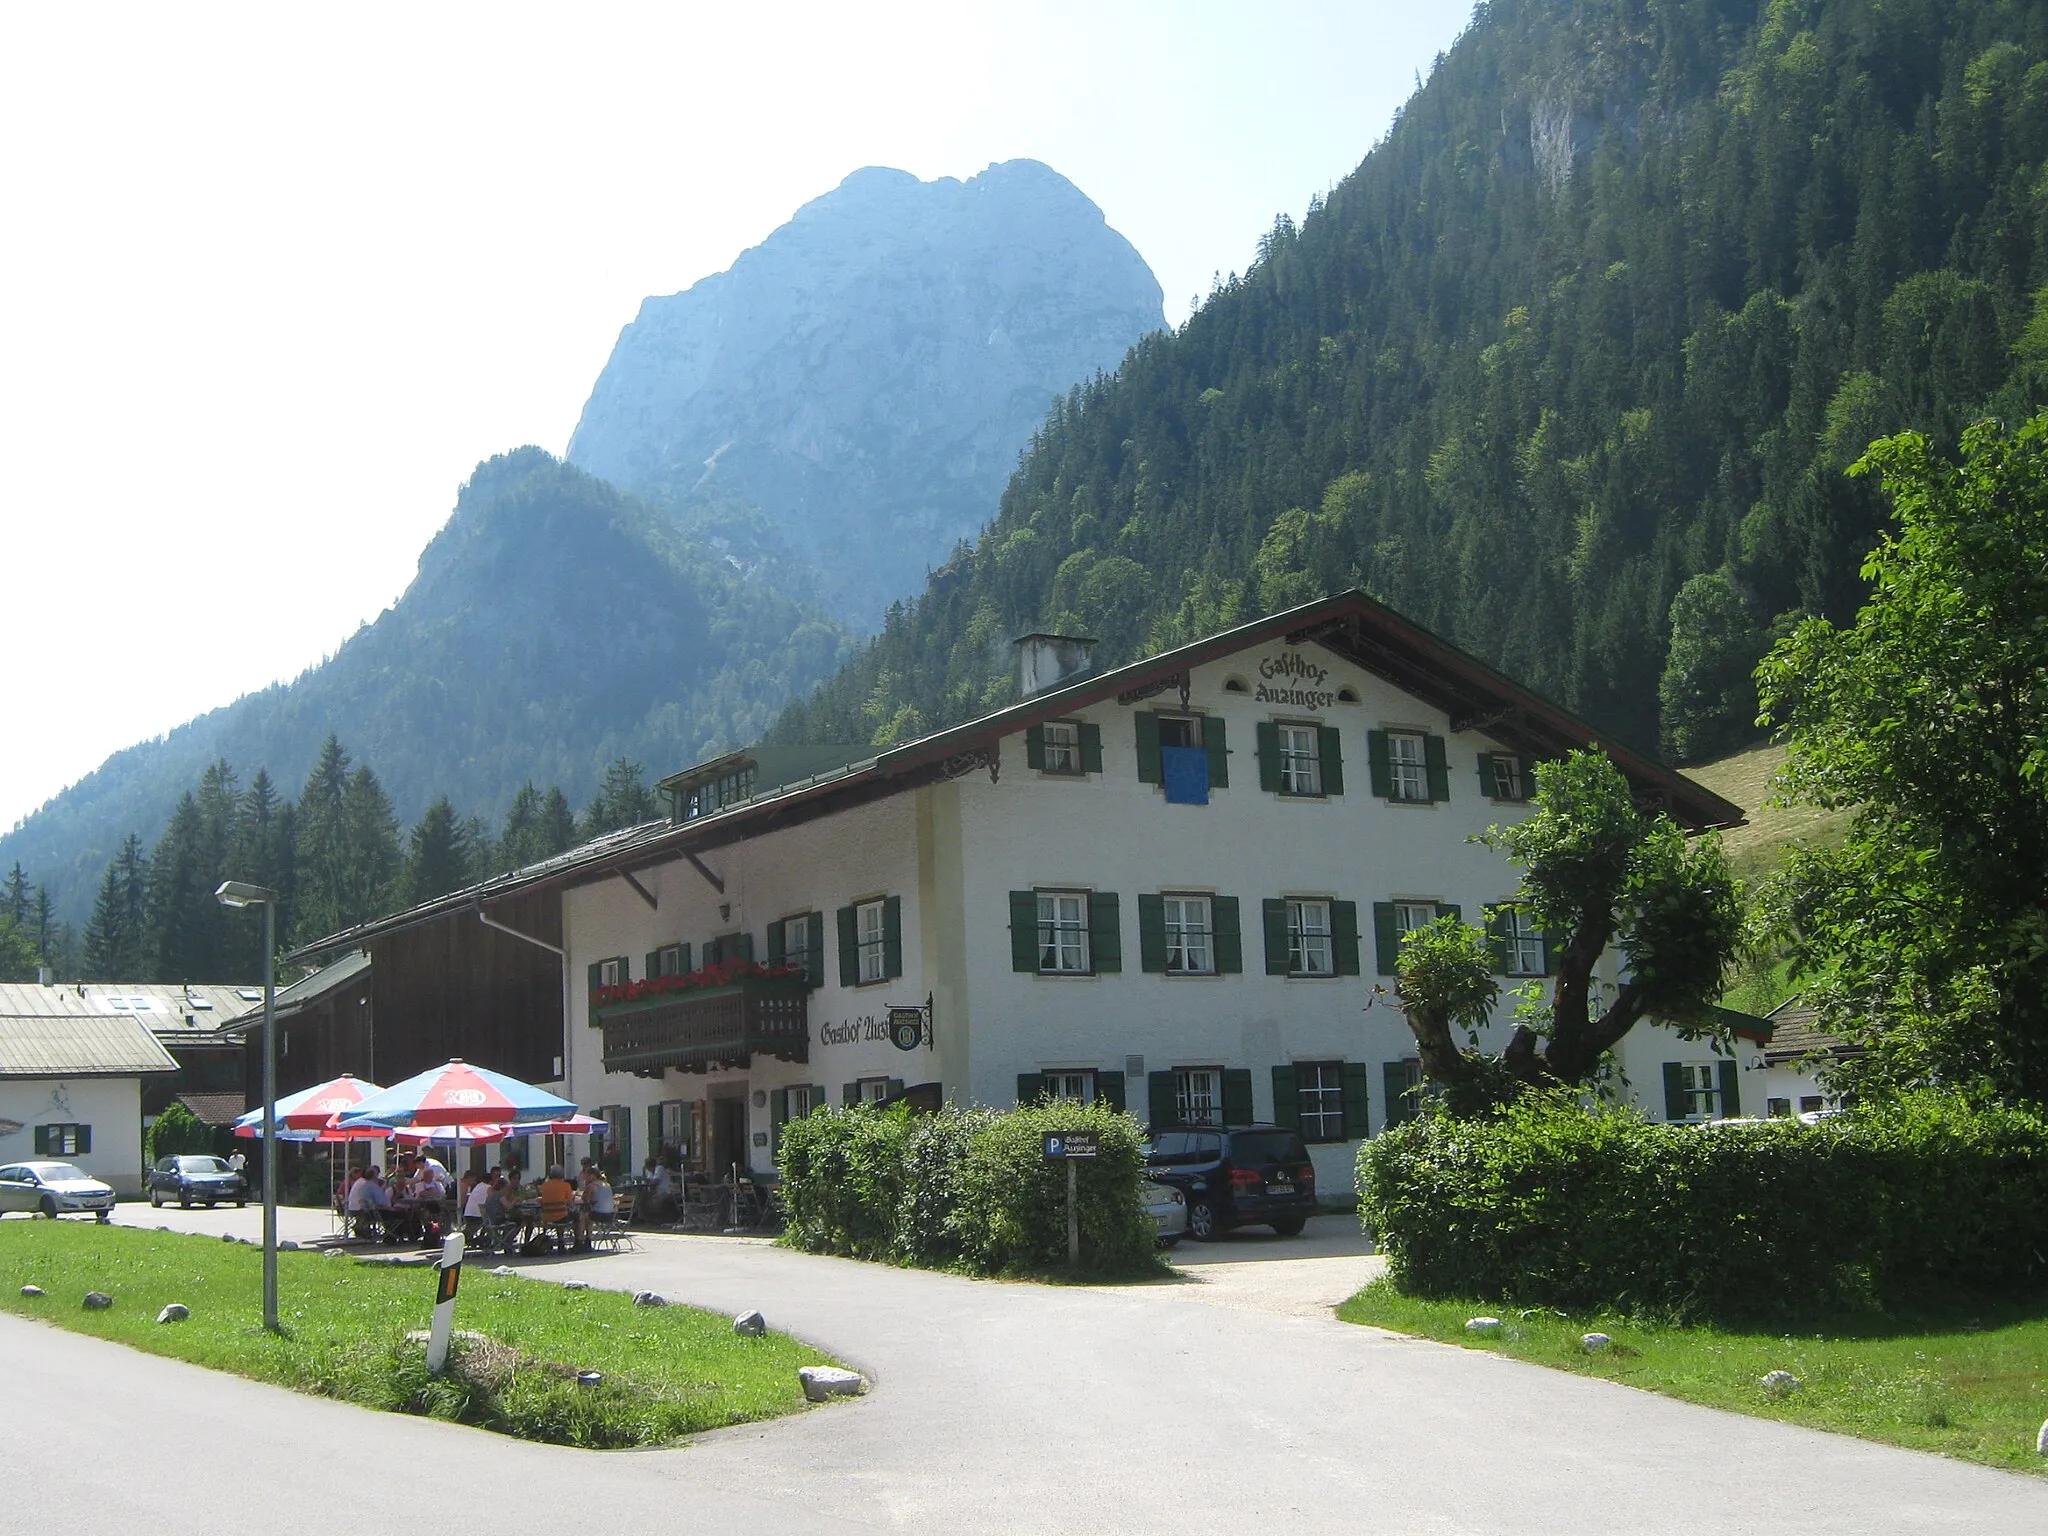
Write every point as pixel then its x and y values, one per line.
pixel 966 1189
pixel 1554 1205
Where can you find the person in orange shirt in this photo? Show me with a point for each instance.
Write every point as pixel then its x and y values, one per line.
pixel 557 1196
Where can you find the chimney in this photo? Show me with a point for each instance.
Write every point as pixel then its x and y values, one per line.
pixel 42 975
pixel 1046 661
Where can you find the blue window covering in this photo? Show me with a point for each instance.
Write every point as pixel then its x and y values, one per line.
pixel 1185 772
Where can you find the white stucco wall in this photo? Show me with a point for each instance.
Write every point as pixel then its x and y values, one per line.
pixel 112 1106
pixel 1640 1057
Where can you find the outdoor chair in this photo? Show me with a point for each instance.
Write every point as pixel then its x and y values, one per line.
pixel 612 1233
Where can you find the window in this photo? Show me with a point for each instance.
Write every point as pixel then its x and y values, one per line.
pixel 1701 1089
pixel 795 946
pixel 727 789
pixel 1063 932
pixel 1180 731
pixel 872 942
pixel 1778 1109
pixel 1301 760
pixel 1319 1086
pixel 1189 951
pixel 873 1089
pixel 1407 766
pixel 1522 942
pixel 1062 746
pixel 1811 1104
pixel 1071 1087
pixel 1500 774
pixel 1309 951
pixel 1198 1095
pixel 611 973
pixel 800 1101
pixel 1409 916
pixel 1404 1091
pixel 63 1140
pixel 670 960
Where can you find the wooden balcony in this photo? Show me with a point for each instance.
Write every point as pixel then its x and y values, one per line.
pixel 711 1027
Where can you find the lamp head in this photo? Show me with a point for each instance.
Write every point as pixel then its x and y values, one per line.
pixel 239 893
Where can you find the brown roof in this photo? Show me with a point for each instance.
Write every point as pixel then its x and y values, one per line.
pixel 1359 628
pixel 214 1108
pixel 115 1045
pixel 1799 1035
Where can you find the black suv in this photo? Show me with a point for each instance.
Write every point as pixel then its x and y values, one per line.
pixel 1235 1176
pixel 187 1177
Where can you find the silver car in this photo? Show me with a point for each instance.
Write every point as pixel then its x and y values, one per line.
pixel 1168 1208
pixel 54 1189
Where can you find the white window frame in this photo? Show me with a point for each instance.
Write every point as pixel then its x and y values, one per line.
pixel 669 954
pixel 1311 940
pixel 612 972
pixel 1701 1084
pixel 1190 934
pixel 796 945
pixel 1194 731
pixel 62 1139
pixel 1407 766
pixel 797 1101
pixel 1198 1095
pixel 1521 941
pixel 873 1089
pixel 1070 1085
pixel 1063 948
pixel 1320 1102
pixel 1301 760
pixel 1412 917
pixel 1504 777
pixel 871 940
pixel 1063 748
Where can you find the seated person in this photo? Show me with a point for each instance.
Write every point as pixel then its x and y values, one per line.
pixel 368 1200
pixel 660 1193
pixel 557 1198
pixel 474 1206
pixel 598 1206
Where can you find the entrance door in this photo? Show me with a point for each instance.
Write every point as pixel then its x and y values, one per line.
pixel 728 1136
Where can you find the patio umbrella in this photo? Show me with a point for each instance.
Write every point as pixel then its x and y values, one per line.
pixel 471 1134
pixel 458 1094
pixel 567 1125
pixel 311 1109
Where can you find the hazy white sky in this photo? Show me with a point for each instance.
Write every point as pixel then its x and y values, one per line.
pixel 276 277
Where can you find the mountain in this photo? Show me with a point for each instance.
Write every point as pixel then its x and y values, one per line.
pixel 555 623
pixel 1596 327
pixel 869 373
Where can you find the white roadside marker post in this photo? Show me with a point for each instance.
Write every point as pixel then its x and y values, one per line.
pixel 449 1266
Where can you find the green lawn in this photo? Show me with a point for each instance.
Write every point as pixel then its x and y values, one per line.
pixel 668 1371
pixel 1970 1384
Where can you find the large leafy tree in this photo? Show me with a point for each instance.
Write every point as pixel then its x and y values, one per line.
pixel 1927 928
pixel 1598 871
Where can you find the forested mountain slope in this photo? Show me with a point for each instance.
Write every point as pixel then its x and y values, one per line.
pixel 1610 308
pixel 555 624
pixel 868 374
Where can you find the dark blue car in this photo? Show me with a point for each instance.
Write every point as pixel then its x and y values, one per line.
pixel 1236 1176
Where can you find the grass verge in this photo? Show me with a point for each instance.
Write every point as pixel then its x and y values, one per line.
pixel 1969 1383
pixel 667 1371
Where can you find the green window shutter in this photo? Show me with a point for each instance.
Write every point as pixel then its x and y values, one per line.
pixel 1553 946
pixel 1109 1088
pixel 42 1140
pixel 1451 910
pixel 814 949
pixel 1675 1107
pixel 849 1094
pixel 625 1146
pixel 1379 766
pixel 1149 770
pixel 1268 735
pixel 895 1087
pixel 1152 933
pixel 1023 930
pixel 1436 768
pixel 1227 936
pixel 596 970
pixel 1034 747
pixel 682 959
pixel 1528 777
pixel 1091 748
pixel 1214 743
pixel 1274 910
pixel 1486 773
pixel 85 1137
pixel 849 947
pixel 892 936
pixel 1731 1088
pixel 1237 1095
pixel 1330 746
pixel 1286 1099
pixel 1400 1105
pixel 1161 1102
pixel 1105 931
pixel 625 970
pixel 778 950
pixel 1030 1087
pixel 778 1115
pixel 1496 937
pixel 1386 939
pixel 653 964
pixel 1356 1077
pixel 1344 936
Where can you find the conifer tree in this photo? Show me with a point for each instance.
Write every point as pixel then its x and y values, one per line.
pixel 442 851
pixel 114 938
pixel 622 800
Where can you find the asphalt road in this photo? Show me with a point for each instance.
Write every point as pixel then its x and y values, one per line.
pixel 995 1408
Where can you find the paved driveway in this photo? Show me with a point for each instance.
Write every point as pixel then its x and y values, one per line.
pixel 1014 1408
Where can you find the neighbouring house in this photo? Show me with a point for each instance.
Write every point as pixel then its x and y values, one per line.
pixel 1177 886
pixel 325 1026
pixel 72 1070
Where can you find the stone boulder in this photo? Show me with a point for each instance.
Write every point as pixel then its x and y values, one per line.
pixel 824 1381
pixel 750 1325
pixel 176 1312
pixel 97 1301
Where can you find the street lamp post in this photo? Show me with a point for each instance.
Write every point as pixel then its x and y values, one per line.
pixel 237 893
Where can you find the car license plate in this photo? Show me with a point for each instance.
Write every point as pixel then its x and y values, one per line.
pixel 1279 1189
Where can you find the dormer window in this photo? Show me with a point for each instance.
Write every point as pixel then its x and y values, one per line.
pixel 708 795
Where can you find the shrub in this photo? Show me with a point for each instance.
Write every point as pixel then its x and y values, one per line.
pixel 177 1130
pixel 1554 1205
pixel 968 1189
